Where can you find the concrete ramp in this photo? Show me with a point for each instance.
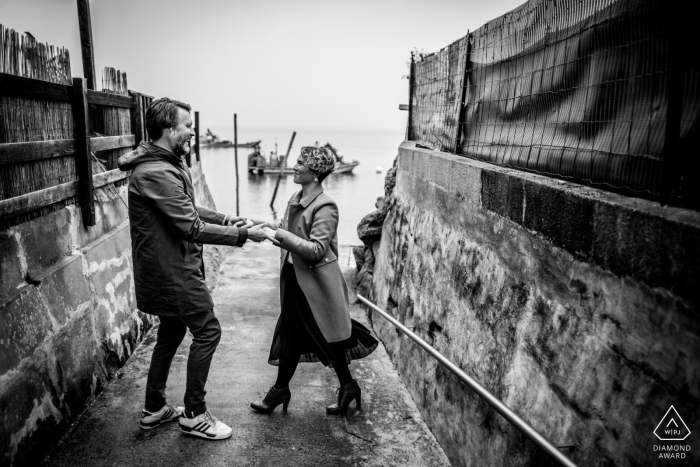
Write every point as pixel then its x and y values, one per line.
pixel 389 431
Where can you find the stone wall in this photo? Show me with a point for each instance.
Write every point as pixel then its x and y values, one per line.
pixel 68 317
pixel 577 308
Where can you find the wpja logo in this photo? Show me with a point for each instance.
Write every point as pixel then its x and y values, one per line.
pixel 671 428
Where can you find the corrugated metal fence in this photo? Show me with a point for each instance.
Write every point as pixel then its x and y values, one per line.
pixel 600 92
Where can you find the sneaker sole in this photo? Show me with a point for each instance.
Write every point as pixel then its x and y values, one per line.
pixel 192 432
pixel 156 424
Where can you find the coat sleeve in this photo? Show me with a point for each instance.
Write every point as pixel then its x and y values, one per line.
pixel 323 227
pixel 210 216
pixel 166 193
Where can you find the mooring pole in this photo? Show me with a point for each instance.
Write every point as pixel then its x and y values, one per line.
pixel 235 152
pixel 282 166
pixel 88 53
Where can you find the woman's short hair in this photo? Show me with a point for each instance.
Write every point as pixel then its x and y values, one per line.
pixel 162 114
pixel 319 160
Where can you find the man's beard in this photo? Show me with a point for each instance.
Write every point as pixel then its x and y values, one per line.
pixel 182 148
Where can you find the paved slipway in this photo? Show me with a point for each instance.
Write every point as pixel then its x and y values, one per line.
pixel 388 431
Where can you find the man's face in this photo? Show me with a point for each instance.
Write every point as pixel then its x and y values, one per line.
pixel 181 134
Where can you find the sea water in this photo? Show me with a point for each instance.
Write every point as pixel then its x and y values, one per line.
pixel 355 193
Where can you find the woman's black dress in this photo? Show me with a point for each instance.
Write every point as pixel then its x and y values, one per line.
pixel 297 333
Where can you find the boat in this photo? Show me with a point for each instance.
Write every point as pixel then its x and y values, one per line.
pixel 213 141
pixel 258 163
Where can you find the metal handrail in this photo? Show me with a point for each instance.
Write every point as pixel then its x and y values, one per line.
pixel 524 427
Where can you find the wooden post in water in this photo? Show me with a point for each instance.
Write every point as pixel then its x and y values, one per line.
pixel 88 53
pixel 282 166
pixel 235 152
pixel 83 157
pixel 196 133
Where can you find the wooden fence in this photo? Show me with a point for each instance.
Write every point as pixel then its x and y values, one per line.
pixel 85 106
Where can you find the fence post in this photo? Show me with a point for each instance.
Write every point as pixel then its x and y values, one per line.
pixel 88 53
pixel 83 158
pixel 196 133
pixel 409 129
pixel 464 100
pixel 137 120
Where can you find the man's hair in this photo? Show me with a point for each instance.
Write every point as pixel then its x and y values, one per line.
pixel 162 114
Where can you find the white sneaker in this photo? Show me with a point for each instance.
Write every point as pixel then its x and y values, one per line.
pixel 168 413
pixel 205 426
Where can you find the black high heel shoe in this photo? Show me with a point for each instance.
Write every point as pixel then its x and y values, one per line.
pixel 273 398
pixel 346 394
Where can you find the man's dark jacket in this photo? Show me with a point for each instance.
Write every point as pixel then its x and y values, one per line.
pixel 166 228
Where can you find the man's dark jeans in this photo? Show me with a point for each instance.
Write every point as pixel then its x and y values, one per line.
pixel 206 333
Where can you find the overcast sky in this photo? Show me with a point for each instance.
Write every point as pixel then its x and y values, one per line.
pixel 277 63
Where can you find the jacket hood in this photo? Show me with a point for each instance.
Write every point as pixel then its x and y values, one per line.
pixel 146 152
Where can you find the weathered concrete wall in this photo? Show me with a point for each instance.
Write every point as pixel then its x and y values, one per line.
pixel 68 318
pixel 577 308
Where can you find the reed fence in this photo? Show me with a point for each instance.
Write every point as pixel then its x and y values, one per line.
pixel 59 141
pixel 599 92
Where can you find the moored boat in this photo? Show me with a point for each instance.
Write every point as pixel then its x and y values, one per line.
pixel 258 163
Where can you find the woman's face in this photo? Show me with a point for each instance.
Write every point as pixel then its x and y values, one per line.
pixel 302 174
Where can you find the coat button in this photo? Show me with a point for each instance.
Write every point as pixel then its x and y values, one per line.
pixel 327 260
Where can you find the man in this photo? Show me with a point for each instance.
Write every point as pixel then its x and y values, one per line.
pixel 167 229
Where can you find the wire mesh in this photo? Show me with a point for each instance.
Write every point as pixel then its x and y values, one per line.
pixel 576 89
pixel 436 96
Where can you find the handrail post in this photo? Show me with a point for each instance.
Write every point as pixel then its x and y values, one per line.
pixel 83 157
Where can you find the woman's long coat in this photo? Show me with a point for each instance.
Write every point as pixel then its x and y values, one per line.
pixel 308 232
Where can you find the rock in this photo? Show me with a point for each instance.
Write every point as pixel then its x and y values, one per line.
pixel 390 181
pixel 370 227
pixel 359 253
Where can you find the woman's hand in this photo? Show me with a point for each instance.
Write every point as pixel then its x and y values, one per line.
pixel 270 235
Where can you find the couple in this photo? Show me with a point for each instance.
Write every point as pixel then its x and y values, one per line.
pixel 167 230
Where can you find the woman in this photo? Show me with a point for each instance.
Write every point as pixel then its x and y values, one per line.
pixel 315 324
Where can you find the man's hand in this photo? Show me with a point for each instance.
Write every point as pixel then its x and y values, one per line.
pixel 257 234
pixel 233 221
pixel 247 223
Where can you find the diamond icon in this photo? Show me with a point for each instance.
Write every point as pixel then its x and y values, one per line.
pixel 672 427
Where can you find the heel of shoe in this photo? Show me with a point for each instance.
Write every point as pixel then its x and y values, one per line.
pixel 285 404
pixel 358 403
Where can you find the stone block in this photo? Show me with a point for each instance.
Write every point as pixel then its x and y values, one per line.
pixel 502 194
pixel 65 288
pixel 405 161
pixel 560 215
pixel 659 250
pixel 11 273
pixel 24 323
pixel 440 170
pixel 466 181
pixel 421 164
pixel 45 240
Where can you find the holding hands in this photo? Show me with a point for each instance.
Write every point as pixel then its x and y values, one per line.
pixel 258 231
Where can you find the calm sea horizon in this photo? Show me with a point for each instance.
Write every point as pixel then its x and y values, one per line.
pixel 355 193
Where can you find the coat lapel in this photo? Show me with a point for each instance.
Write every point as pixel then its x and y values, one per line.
pixel 306 200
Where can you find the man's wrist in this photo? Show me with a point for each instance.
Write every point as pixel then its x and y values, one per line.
pixel 242 236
